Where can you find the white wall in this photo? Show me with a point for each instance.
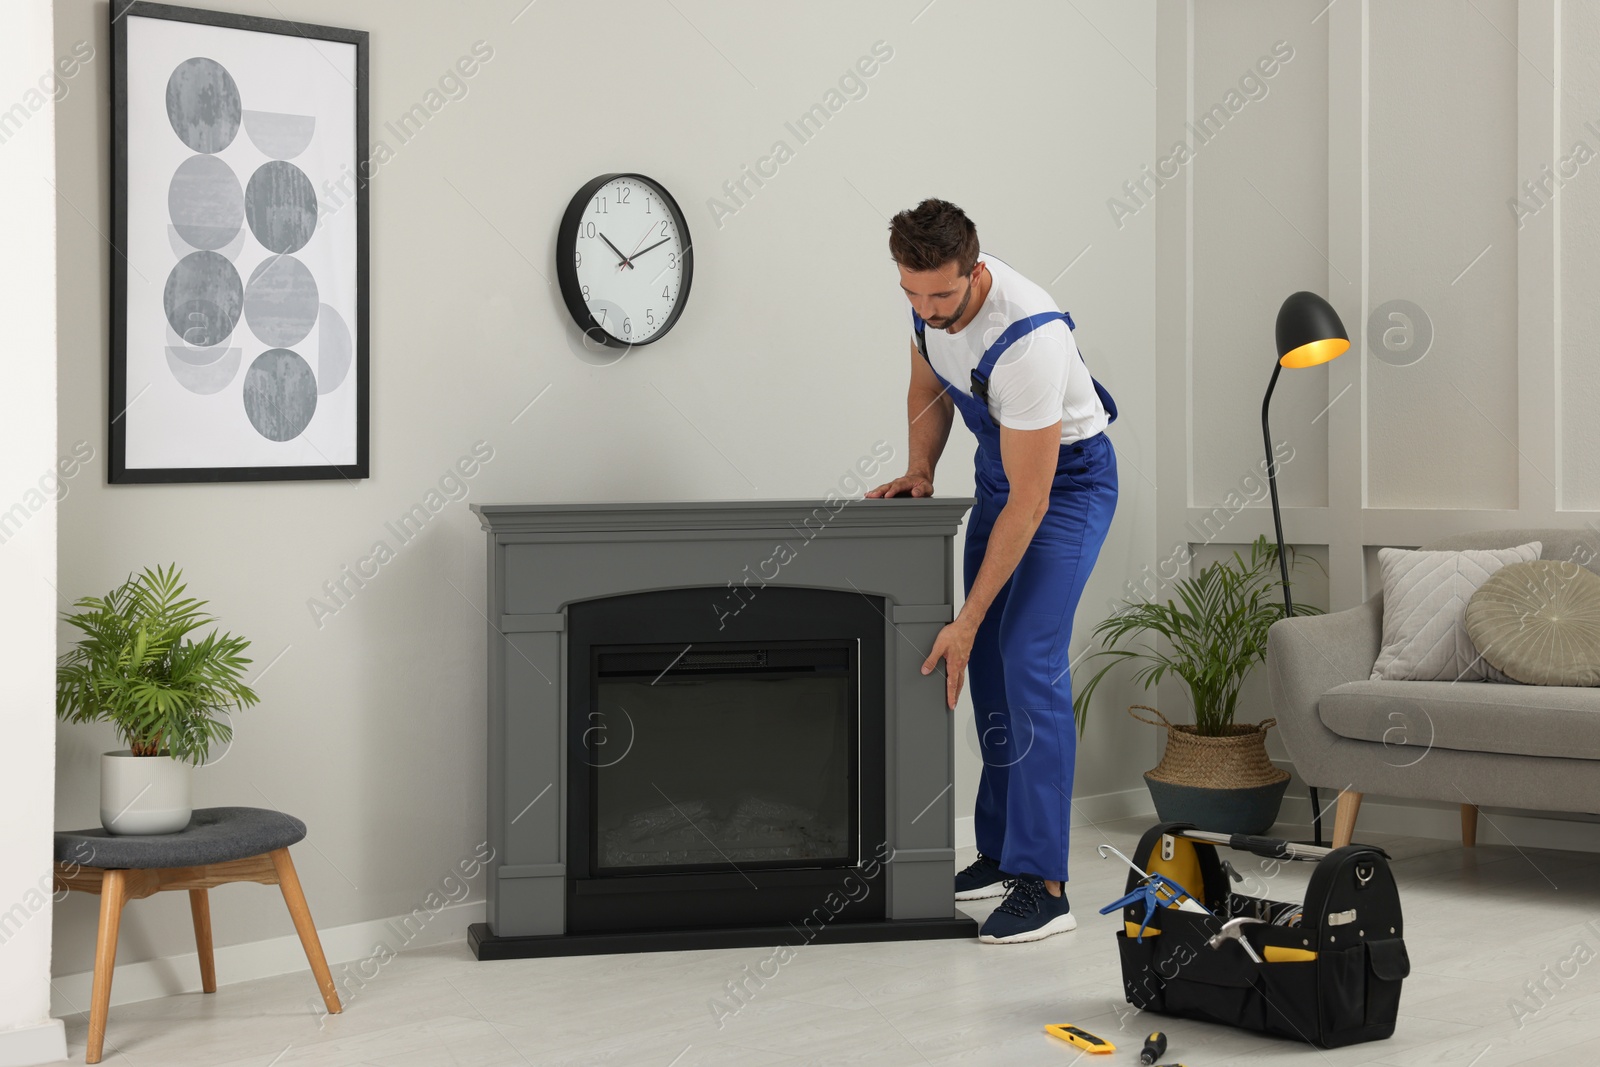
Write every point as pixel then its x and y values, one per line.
pixel 789 362
pixel 1382 165
pixel 27 532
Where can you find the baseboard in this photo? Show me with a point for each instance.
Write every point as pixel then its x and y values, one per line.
pixel 25 1046
pixel 170 975
pixel 1086 811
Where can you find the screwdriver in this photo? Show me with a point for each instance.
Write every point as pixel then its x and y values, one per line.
pixel 1154 1046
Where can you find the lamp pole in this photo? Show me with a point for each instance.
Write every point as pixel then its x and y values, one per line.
pixel 1272 483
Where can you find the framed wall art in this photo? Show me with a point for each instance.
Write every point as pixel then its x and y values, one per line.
pixel 239 298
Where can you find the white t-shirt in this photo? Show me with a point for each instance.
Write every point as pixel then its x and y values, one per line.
pixel 1039 379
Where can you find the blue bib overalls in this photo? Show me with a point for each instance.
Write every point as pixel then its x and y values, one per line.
pixel 1018 671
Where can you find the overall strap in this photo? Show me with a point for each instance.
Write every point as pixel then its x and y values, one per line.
pixel 922 337
pixel 1013 333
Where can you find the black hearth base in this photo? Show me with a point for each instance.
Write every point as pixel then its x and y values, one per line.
pixel 488 946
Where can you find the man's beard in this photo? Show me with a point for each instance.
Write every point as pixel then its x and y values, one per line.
pixel 944 323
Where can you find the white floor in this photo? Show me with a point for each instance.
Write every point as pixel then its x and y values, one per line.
pixel 1479 925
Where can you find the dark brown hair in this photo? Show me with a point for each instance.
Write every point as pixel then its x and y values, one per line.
pixel 931 235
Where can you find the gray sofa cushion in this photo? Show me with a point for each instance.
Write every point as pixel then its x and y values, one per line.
pixel 1410 717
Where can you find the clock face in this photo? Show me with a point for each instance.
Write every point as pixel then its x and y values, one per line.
pixel 624 260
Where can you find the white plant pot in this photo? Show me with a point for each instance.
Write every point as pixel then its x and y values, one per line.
pixel 144 794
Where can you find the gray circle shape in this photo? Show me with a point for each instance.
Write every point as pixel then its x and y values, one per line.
pixel 280 302
pixel 203 104
pixel 1399 333
pixel 205 202
pixel 203 299
pixel 280 394
pixel 280 204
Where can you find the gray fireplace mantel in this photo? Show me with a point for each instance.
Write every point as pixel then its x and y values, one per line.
pixel 544 557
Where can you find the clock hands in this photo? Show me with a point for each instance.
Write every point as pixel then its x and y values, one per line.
pixel 622 260
pixel 658 244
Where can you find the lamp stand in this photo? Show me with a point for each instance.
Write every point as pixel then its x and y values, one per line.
pixel 1283 562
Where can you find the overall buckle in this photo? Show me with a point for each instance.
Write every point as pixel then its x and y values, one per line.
pixel 980 388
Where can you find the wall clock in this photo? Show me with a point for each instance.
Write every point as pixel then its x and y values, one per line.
pixel 623 260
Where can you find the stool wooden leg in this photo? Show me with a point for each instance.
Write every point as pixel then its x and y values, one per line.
pixel 200 906
pixel 295 898
pixel 1469 825
pixel 1344 817
pixel 113 894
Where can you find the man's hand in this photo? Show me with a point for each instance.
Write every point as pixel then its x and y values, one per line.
pixel 954 645
pixel 915 483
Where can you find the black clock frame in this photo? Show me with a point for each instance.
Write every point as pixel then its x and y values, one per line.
pixel 567 270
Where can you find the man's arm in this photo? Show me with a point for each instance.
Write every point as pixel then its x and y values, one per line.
pixel 1029 458
pixel 929 413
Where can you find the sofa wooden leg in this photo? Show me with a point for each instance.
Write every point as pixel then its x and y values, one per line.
pixel 1344 817
pixel 113 894
pixel 1469 825
pixel 200 906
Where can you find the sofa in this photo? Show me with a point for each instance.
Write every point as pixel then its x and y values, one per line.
pixel 1469 743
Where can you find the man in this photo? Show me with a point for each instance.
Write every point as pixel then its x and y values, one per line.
pixel 1046 487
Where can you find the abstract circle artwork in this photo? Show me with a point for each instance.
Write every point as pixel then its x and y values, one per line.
pixel 205 202
pixel 280 301
pixel 238 219
pixel 280 394
pixel 203 299
pixel 203 104
pixel 281 205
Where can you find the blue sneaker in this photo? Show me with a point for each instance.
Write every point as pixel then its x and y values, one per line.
pixel 1028 913
pixel 981 878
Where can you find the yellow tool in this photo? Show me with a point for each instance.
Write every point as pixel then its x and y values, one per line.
pixel 1275 954
pixel 1080 1037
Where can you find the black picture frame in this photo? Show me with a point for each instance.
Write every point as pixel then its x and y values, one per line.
pixel 121 11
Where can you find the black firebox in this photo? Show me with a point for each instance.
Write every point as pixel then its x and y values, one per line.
pixel 724 769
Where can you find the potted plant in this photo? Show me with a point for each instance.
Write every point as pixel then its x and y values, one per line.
pixel 1214 773
pixel 137 667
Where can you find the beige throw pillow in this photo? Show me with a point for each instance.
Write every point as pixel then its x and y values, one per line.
pixel 1425 598
pixel 1540 622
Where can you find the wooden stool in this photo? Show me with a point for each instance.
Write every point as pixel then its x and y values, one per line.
pixel 219 845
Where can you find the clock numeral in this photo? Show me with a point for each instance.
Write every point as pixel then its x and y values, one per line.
pixel 627 327
pixel 602 316
pixel 579 257
pixel 586 293
pixel 600 206
pixel 647 205
pixel 623 193
pixel 664 293
pixel 586 229
pixel 663 227
pixel 672 260
pixel 649 317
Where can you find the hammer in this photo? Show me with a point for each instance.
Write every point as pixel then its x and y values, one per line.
pixel 1233 930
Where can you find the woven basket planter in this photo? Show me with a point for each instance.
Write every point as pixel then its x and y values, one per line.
pixel 1226 784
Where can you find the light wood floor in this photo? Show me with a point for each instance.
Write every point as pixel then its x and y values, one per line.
pixel 1480 924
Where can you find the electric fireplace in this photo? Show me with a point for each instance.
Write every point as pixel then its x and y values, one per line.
pixel 690 746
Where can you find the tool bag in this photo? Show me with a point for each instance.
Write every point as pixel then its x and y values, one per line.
pixel 1332 964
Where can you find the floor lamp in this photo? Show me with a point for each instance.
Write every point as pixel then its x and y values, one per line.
pixel 1309 334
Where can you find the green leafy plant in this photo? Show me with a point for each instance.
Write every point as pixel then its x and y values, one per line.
pixel 1216 631
pixel 137 668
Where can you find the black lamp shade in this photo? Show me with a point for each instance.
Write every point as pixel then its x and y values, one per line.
pixel 1309 331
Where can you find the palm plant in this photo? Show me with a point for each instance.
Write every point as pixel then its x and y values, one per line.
pixel 1216 631
pixel 137 668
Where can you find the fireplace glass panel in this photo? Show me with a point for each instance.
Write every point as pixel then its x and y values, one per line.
pixel 711 758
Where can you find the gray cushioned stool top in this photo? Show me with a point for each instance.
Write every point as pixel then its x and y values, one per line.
pixel 214 835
